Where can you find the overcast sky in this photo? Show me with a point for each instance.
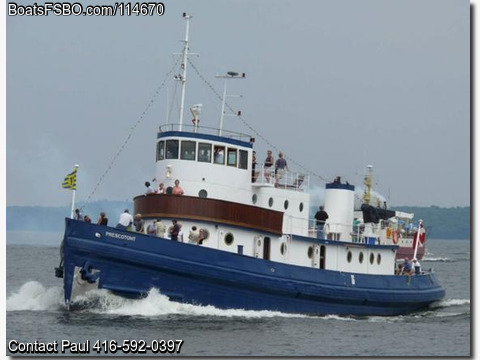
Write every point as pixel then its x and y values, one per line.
pixel 335 85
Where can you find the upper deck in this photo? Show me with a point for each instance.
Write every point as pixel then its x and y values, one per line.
pixel 209 165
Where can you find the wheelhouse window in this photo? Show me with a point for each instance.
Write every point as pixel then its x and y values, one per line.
pixel 161 150
pixel 172 149
pixel 204 152
pixel 232 157
pixel 187 151
pixel 243 159
pixel 219 155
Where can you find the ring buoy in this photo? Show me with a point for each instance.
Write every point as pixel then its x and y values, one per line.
pixel 395 237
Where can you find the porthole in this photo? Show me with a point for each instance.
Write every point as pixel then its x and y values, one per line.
pixel 300 207
pixel 349 256
pixel 283 248
pixel 285 204
pixel 379 259
pixel 228 238
pixel 372 258
pixel 270 202
pixel 360 257
pixel 310 252
pixel 254 198
pixel 202 193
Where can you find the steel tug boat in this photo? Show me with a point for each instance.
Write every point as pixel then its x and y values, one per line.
pixel 247 239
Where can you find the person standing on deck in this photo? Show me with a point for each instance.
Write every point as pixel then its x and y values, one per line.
pixel 177 189
pixel 175 230
pixel 102 220
pixel 139 223
pixel 321 216
pixel 269 161
pixel 280 168
pixel 125 222
pixel 149 188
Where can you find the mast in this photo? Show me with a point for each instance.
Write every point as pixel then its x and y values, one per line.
pixel 229 75
pixel 184 69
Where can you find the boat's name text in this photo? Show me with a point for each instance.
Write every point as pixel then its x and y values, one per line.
pixel 119 236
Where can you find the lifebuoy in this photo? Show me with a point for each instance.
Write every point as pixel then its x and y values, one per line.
pixel 395 237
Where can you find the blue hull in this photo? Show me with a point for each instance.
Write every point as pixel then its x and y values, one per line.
pixel 131 264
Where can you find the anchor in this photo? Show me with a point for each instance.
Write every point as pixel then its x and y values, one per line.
pixel 87 275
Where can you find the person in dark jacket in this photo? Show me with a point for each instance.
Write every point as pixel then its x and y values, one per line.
pixel 321 216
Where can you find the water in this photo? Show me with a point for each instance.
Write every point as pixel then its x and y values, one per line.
pixel 35 311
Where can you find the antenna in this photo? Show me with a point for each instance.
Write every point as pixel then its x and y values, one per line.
pixel 230 75
pixel 183 75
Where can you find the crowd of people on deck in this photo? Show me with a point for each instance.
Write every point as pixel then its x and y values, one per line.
pixel 409 268
pixel 270 167
pixel 175 190
pixel 174 232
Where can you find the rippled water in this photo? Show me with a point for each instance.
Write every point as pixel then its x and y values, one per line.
pixel 35 311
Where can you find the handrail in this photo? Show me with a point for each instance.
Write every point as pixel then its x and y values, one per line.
pixel 205 130
pixel 283 179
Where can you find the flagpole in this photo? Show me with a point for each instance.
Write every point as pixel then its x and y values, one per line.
pixel 73 197
pixel 420 224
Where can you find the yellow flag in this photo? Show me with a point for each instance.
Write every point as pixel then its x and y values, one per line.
pixel 70 181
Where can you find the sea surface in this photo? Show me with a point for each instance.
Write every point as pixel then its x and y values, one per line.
pixel 35 312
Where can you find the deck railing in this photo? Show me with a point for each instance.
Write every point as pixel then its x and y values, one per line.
pixel 282 179
pixel 206 130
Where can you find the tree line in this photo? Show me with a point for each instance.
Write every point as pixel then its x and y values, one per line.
pixel 442 223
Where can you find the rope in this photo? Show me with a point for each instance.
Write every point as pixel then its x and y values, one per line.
pixel 270 144
pixel 129 136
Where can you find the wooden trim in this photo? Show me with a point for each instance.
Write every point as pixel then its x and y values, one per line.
pixel 204 209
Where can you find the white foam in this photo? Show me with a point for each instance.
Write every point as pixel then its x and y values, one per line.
pixel 436 259
pixel 454 302
pixel 156 304
pixel 34 296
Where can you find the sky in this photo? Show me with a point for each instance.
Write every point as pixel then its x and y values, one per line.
pixel 334 85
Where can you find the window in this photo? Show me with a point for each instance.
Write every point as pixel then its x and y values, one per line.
pixel 228 238
pixel 161 150
pixel 232 157
pixel 360 258
pixel 270 202
pixel 219 155
pixel 187 151
pixel 379 259
pixel 204 152
pixel 372 258
pixel 310 252
pixel 242 159
pixel 254 198
pixel 349 256
pixel 300 207
pixel 203 193
pixel 285 204
pixel 172 149
pixel 283 248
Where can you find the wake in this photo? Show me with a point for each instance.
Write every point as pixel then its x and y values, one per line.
pixel 33 296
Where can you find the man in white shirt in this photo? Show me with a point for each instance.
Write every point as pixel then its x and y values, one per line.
pixel 125 222
pixel 416 267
